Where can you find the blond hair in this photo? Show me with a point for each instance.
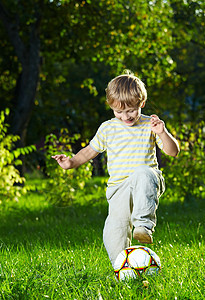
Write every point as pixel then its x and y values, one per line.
pixel 126 89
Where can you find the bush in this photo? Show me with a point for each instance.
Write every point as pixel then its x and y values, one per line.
pixel 62 184
pixel 10 180
pixel 184 175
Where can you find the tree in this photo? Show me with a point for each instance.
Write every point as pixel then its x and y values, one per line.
pixel 189 55
pixel 50 32
pixel 62 54
pixel 26 46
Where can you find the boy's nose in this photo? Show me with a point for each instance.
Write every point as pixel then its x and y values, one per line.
pixel 125 116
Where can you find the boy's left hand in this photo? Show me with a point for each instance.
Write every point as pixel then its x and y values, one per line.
pixel 157 125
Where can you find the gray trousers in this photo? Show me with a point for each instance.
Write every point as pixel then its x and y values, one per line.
pixel 131 203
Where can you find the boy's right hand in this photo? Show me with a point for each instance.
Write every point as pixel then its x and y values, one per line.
pixel 63 161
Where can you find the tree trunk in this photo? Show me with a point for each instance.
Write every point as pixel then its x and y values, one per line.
pixel 29 57
pixel 25 93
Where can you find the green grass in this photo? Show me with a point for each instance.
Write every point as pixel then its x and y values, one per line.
pixel 52 252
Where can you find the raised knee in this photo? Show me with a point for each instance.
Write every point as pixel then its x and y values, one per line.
pixel 144 174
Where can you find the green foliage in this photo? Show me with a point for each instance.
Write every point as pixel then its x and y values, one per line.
pixel 185 174
pixel 186 99
pixel 10 179
pixel 63 184
pixel 83 44
pixel 93 41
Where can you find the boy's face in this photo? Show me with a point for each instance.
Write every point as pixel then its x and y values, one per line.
pixel 129 115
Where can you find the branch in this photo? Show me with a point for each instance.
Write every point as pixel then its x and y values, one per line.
pixel 198 43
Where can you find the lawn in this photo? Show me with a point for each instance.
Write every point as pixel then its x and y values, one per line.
pixel 48 251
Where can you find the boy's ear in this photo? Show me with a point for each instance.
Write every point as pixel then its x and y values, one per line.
pixel 143 104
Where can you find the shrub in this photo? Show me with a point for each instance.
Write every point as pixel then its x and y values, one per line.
pixel 10 180
pixel 62 184
pixel 185 174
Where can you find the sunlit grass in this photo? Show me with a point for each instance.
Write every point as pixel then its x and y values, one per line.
pixel 52 252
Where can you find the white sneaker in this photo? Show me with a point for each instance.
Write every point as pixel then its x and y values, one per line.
pixel 143 235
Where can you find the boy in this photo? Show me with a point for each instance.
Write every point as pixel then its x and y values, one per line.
pixel 135 183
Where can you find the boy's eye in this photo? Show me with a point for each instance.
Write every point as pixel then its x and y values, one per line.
pixel 128 111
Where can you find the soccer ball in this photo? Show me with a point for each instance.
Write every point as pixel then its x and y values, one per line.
pixel 135 261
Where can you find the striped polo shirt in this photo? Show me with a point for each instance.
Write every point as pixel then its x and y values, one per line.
pixel 127 147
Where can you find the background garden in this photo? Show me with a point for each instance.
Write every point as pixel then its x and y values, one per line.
pixel 55 62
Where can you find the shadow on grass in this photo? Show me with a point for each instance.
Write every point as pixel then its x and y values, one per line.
pixel 59 226
pixel 181 223
pixel 82 224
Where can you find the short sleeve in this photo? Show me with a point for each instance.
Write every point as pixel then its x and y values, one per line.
pixel 159 142
pixel 98 143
